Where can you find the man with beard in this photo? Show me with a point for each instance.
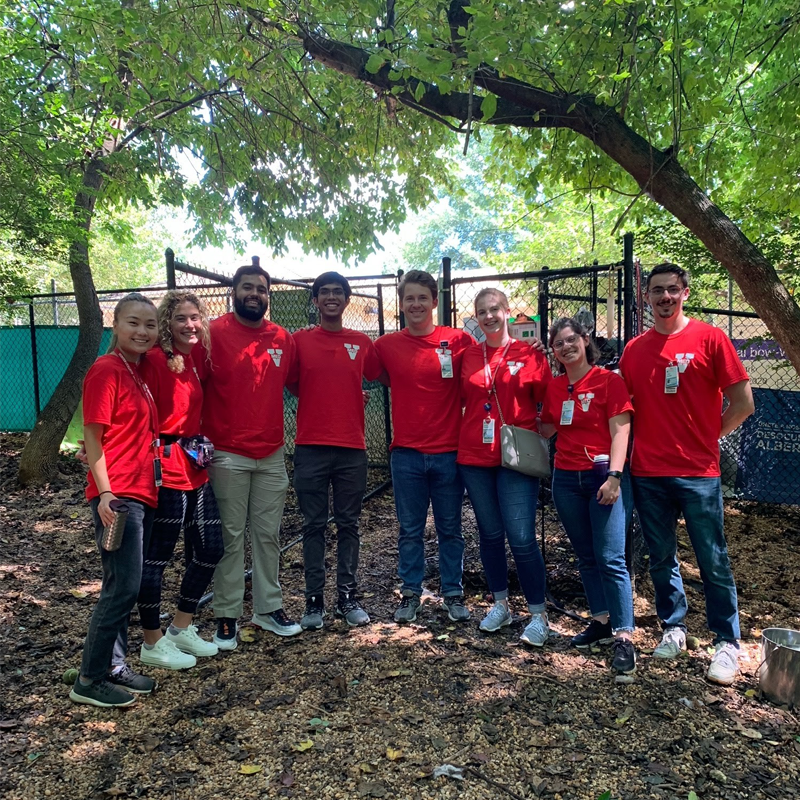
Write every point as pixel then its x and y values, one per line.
pixel 677 374
pixel 253 359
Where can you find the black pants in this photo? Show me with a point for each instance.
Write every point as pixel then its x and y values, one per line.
pixel 316 467
pixel 196 513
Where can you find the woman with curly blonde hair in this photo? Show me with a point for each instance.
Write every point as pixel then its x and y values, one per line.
pixel 175 370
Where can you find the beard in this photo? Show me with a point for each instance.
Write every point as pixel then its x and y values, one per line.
pixel 252 314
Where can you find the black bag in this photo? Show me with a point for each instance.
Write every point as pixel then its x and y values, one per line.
pixel 199 450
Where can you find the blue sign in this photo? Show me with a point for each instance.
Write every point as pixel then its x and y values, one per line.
pixel 758 349
pixel 769 460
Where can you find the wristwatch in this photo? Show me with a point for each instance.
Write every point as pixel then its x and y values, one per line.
pixel 615 473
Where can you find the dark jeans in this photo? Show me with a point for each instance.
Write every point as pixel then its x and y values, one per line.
pixel 344 469
pixel 107 640
pixel 505 505
pixel 659 502
pixel 196 513
pixel 597 534
pixel 421 480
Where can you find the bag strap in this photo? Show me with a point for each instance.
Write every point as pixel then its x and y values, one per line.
pixel 499 409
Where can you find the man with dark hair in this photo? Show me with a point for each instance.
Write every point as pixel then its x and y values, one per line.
pixel 253 359
pixel 330 447
pixel 423 365
pixel 677 373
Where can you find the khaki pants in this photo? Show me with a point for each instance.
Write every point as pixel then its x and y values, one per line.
pixel 254 490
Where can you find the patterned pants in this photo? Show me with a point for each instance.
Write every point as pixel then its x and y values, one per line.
pixel 195 512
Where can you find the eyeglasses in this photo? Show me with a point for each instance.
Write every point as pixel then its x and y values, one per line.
pixel 559 344
pixel 331 292
pixel 660 291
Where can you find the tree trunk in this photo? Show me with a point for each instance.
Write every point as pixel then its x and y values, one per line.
pixel 39 460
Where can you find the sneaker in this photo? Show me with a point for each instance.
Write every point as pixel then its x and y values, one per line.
pixel 101 693
pixel 595 633
pixel 277 622
pixel 624 661
pixel 724 664
pixel 315 613
pixel 187 641
pixel 225 637
pixel 164 654
pixel 351 610
pixel 672 642
pixel 409 605
pixel 498 617
pixel 456 610
pixel 537 631
pixel 132 681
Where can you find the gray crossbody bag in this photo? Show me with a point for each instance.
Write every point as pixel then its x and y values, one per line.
pixel 522 450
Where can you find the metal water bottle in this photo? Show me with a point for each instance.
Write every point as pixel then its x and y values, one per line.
pixel 112 534
pixel 600 470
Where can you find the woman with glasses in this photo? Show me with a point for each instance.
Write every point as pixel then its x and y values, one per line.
pixel 502 380
pixel 591 410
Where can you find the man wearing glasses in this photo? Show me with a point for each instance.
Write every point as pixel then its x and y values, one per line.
pixel 677 373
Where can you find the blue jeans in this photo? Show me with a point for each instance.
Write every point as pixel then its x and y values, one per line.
pixel 659 502
pixel 107 639
pixel 597 534
pixel 420 480
pixel 504 502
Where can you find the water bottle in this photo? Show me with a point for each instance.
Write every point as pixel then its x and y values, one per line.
pixel 112 534
pixel 600 470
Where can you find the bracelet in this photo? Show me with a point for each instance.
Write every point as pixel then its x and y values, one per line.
pixel 107 491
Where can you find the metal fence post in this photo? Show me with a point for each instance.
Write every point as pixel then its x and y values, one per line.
pixel 544 302
pixel 169 257
pixel 444 301
pixel 34 359
pixel 55 301
pixel 627 291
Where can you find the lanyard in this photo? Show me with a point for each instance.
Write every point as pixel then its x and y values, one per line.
pixel 151 404
pixel 488 377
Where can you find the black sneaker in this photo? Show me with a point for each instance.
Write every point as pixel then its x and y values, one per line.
pixel 225 637
pixel 101 693
pixel 595 633
pixel 132 681
pixel 277 622
pixel 624 661
pixel 456 609
pixel 349 608
pixel 314 616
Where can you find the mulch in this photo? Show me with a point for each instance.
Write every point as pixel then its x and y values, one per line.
pixel 430 710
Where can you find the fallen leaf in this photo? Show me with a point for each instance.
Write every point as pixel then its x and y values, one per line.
pixel 393 754
pixel 73 515
pixel 750 733
pixel 286 778
pixel 301 747
pixel 394 673
pixel 442 637
pixel 250 769
pixel 78 593
pixel 624 716
pixel 365 766
pixel 371 789
pixel 115 791
pixel 480 758
pixel 316 722
pixel 750 693
pixel 460 640
pixel 438 743
pixel 246 635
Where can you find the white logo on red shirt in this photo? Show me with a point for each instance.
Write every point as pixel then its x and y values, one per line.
pixel 683 360
pixel 515 366
pixel 276 354
pixel 586 400
pixel 352 350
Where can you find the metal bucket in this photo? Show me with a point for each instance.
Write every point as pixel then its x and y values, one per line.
pixel 779 671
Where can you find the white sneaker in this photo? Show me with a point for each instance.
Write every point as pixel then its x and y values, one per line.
pixel 164 654
pixel 498 617
pixel 187 641
pixel 672 643
pixel 724 664
pixel 537 631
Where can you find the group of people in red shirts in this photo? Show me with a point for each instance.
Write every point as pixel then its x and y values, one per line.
pixel 145 408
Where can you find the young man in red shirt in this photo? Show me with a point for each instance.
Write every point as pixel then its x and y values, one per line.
pixel 330 448
pixel 423 365
pixel 252 360
pixel 677 374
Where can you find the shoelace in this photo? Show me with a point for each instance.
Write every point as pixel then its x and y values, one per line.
pixel 348 605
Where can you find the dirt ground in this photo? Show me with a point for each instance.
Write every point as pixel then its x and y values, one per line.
pixel 372 712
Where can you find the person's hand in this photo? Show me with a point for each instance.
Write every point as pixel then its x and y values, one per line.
pixel 538 344
pixel 366 395
pixel 608 493
pixel 81 454
pixel 104 510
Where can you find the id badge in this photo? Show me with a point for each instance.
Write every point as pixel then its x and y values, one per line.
pixel 671 380
pixel 445 362
pixel 488 431
pixel 567 410
pixel 157 471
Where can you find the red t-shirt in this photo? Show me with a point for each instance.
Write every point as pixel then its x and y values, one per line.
pixel 426 407
pixel 332 366
pixel 677 435
pixel 243 406
pixel 590 416
pixel 179 400
pixel 520 379
pixel 111 397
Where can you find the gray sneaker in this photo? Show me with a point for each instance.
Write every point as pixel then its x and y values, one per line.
pixel 350 610
pixel 537 631
pixel 409 605
pixel 456 610
pixel 101 693
pixel 313 619
pixel 672 642
pixel 498 617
